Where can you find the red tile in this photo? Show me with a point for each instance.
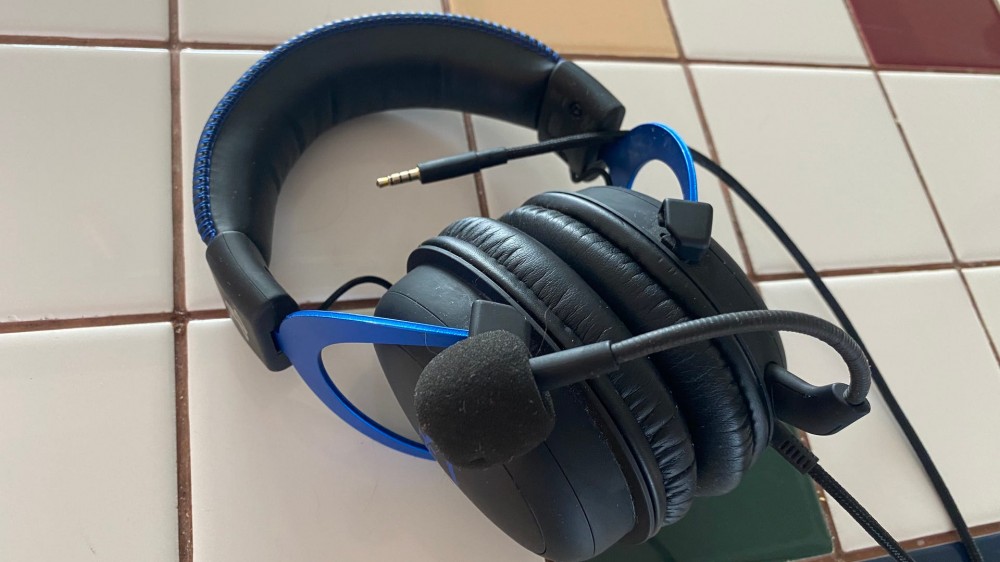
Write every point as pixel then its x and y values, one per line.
pixel 936 33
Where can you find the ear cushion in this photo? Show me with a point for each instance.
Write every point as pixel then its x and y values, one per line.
pixel 545 277
pixel 710 395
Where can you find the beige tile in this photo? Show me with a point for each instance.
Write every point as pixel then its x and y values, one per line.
pixel 952 122
pixel 925 338
pixel 131 19
pixel 87 443
pixel 260 21
pixel 818 31
pixel 583 27
pixel 819 148
pixel 275 475
pixel 85 160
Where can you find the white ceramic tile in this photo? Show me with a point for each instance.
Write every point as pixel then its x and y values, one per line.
pixel 650 92
pixel 85 160
pixel 924 336
pixel 130 19
pixel 952 122
pixel 985 285
pixel 819 31
pixel 820 150
pixel 259 21
pixel 87 443
pixel 332 222
pixel 276 476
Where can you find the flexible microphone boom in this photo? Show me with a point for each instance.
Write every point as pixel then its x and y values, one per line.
pixel 485 400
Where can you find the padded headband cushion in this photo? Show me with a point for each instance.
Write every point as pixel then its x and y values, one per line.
pixel 545 277
pixel 351 68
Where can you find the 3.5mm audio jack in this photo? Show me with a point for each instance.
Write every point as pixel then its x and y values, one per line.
pixel 471 162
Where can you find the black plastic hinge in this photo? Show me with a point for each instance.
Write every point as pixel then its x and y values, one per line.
pixel 255 301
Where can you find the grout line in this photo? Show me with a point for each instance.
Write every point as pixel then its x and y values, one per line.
pixel 88 322
pixel 923 184
pixel 781 64
pixel 185 524
pixel 177 183
pixel 52 324
pixel 84 41
pixel 710 141
pixel 856 271
pixel 470 136
pixel 922 542
pixel 979 314
pixel 223 46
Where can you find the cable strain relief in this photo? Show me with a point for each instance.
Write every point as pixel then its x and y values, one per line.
pixel 788 445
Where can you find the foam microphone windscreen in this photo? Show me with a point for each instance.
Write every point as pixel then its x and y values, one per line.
pixel 479 404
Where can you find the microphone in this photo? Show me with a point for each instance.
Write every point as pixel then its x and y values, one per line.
pixel 485 400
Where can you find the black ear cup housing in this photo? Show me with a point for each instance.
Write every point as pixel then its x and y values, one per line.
pixel 628 452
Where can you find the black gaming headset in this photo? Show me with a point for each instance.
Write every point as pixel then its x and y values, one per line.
pixel 604 362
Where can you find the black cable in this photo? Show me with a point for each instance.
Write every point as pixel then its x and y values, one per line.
pixel 352 284
pixel 471 162
pixel 734 323
pixel 607 177
pixel 798 455
pixel 971 548
pixel 562 143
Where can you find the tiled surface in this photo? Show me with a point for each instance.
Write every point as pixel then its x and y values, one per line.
pixel 953 552
pixel 277 476
pixel 820 150
pixel 85 217
pixel 584 27
pixel 929 33
pixel 924 335
pixel 956 151
pixel 985 285
pixel 817 32
pixel 263 22
pixel 145 19
pixel 88 468
pixel 85 163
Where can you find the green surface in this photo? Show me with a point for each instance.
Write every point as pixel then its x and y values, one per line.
pixel 773 515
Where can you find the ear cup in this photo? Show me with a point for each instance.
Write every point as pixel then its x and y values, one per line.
pixel 725 414
pixel 541 276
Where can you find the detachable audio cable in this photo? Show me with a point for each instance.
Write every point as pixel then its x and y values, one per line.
pixel 799 456
pixel 472 162
pixel 971 548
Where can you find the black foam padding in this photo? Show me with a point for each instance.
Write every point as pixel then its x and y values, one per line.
pixel 721 405
pixel 478 403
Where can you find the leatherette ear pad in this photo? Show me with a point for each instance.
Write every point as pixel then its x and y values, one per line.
pixel 542 275
pixel 725 411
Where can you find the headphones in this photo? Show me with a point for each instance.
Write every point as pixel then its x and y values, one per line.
pixel 531 352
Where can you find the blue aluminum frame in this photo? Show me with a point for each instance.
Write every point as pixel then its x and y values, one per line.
pixel 303 335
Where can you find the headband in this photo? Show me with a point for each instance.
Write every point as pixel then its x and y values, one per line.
pixel 351 68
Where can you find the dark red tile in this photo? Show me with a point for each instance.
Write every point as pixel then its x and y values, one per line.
pixel 934 33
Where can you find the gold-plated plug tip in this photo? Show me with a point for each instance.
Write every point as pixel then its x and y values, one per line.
pixel 398 178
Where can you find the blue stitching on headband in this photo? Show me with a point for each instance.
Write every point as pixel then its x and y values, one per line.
pixel 203 156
